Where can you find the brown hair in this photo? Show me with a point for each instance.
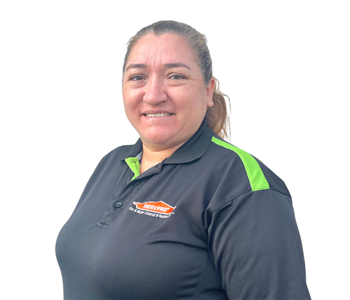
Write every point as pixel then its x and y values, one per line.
pixel 217 116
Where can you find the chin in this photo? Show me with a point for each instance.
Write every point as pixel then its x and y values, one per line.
pixel 156 140
pixel 159 138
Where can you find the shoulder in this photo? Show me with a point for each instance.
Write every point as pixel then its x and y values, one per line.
pixel 243 171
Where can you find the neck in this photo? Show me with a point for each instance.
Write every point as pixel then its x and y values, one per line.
pixel 152 156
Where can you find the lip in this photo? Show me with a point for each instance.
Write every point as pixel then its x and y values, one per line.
pixel 153 120
pixel 156 111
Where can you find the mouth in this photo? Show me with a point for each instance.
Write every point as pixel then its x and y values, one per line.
pixel 159 115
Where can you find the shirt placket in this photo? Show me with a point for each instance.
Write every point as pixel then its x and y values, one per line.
pixel 133 187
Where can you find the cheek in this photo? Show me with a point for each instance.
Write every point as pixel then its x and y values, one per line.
pixel 131 98
pixel 196 104
pixel 188 98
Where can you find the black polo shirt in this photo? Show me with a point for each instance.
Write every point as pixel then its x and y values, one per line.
pixel 209 222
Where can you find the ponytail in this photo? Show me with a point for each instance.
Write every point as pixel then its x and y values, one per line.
pixel 217 115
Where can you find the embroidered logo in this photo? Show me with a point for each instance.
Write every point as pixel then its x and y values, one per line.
pixel 154 209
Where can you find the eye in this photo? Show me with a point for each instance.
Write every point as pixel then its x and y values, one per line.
pixel 177 77
pixel 136 78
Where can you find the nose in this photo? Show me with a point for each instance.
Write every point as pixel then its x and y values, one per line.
pixel 155 92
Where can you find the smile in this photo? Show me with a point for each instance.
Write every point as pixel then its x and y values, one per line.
pixel 158 115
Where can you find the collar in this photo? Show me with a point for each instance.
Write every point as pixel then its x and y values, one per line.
pixel 193 149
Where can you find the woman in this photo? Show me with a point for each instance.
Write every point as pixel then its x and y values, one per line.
pixel 181 214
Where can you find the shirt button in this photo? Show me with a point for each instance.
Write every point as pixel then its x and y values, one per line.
pixel 119 204
pixel 137 182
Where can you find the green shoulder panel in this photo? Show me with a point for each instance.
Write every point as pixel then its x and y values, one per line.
pixel 255 174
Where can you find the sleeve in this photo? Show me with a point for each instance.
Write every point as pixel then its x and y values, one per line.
pixel 256 247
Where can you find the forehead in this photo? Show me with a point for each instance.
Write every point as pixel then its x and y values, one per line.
pixel 165 48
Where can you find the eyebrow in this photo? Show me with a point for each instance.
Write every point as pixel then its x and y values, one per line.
pixel 177 64
pixel 136 66
pixel 170 65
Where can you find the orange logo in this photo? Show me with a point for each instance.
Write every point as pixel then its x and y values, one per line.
pixel 157 207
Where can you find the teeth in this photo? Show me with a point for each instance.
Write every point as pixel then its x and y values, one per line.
pixel 157 115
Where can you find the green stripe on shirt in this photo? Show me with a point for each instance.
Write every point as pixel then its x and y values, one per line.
pixel 255 174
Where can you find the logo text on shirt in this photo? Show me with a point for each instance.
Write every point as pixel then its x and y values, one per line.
pixel 153 209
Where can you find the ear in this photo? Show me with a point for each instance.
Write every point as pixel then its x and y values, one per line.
pixel 210 91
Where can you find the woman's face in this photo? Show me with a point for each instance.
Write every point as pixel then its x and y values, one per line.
pixel 165 97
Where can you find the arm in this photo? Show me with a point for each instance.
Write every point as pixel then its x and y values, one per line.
pixel 256 247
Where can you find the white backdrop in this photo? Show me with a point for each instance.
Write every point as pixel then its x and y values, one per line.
pixel 284 64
